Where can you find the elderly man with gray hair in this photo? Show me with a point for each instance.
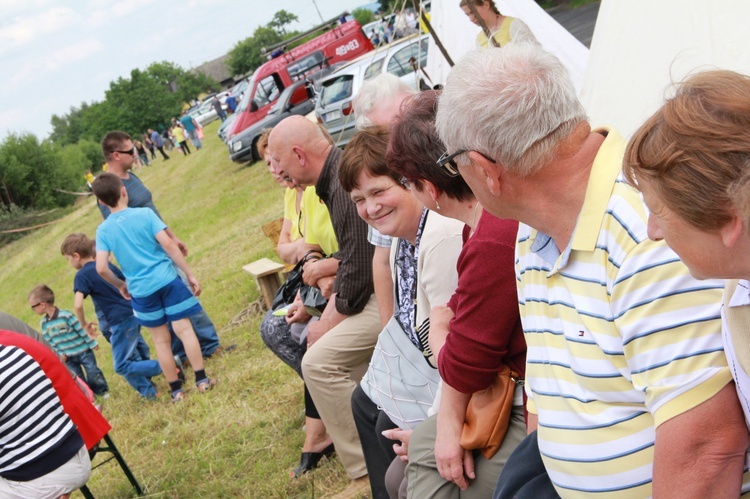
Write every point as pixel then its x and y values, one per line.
pixel 628 390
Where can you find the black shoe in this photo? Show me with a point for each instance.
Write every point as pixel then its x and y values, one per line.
pixel 309 460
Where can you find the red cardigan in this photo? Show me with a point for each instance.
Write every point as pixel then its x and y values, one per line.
pixel 91 424
pixel 486 332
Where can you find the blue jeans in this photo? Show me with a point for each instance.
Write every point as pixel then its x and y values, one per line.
pixel 193 135
pixel 130 355
pixel 203 327
pixel 94 376
pixel 103 326
pixel 524 475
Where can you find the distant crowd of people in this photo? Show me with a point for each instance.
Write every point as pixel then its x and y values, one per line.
pixel 490 297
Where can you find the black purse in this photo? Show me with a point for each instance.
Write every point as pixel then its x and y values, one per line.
pixel 313 300
pixel 288 291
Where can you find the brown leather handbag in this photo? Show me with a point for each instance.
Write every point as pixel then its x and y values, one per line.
pixel 488 414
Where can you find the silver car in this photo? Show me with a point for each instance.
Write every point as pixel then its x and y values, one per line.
pixel 334 106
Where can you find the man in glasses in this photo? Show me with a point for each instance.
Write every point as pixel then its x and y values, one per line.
pixel 628 389
pixel 119 152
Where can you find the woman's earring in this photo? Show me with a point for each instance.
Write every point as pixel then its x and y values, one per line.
pixel 437 205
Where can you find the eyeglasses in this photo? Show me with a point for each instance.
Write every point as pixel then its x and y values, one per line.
pixel 130 152
pixel 448 165
pixel 34 306
pixel 406 182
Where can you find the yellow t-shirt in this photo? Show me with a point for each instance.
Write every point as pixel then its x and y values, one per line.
pixel 318 227
pixel 292 214
pixel 179 134
pixel 510 30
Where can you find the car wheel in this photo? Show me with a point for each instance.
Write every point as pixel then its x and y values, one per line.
pixel 254 150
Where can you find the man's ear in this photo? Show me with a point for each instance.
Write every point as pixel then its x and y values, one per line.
pixel 300 153
pixel 492 172
pixel 732 231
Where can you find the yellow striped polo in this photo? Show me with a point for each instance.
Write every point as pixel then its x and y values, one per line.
pixel 620 339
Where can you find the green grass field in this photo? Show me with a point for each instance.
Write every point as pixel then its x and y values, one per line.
pixel 242 439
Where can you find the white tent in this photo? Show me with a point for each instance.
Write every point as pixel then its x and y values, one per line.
pixel 641 46
pixel 458 35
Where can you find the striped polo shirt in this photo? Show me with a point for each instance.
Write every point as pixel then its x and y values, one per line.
pixel 65 334
pixel 620 339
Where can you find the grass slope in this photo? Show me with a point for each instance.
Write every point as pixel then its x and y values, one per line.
pixel 242 439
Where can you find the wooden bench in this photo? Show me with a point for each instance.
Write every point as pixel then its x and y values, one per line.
pixel 266 274
pixel 265 271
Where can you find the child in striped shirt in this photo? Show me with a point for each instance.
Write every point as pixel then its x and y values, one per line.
pixel 66 335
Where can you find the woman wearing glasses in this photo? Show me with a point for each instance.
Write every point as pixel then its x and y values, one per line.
pixel 480 325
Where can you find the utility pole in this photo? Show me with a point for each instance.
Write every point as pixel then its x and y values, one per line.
pixel 316 8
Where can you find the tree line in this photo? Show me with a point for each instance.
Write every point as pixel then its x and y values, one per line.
pixel 34 172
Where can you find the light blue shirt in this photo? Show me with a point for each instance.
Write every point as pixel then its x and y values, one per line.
pixel 131 235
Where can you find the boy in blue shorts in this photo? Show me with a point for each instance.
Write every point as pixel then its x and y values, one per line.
pixel 62 330
pixel 130 353
pixel 139 241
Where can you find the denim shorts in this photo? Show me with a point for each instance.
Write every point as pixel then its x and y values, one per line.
pixel 170 303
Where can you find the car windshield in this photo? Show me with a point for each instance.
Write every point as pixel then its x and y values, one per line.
pixel 307 63
pixel 401 62
pixel 283 98
pixel 245 98
pixel 336 89
pixel 374 69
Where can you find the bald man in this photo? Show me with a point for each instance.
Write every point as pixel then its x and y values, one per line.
pixel 341 342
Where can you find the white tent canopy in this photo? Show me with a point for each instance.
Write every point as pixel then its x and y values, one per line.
pixel 641 46
pixel 458 35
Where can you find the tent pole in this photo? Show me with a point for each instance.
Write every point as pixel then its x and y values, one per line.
pixel 432 33
pixel 481 22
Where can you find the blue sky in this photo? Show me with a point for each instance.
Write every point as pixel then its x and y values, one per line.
pixel 56 54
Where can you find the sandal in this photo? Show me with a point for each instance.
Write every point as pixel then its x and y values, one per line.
pixel 178 396
pixel 205 385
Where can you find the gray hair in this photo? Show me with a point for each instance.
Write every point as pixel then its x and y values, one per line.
pixel 513 104
pixel 380 90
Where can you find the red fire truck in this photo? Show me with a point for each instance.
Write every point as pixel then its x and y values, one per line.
pixel 343 42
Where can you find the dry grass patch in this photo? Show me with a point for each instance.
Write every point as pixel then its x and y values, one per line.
pixel 243 438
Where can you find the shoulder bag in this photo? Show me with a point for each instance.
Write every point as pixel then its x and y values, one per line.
pixel 488 414
pixel 399 379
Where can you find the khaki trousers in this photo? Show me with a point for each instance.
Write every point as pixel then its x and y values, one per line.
pixel 332 368
pixel 67 478
pixel 424 480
